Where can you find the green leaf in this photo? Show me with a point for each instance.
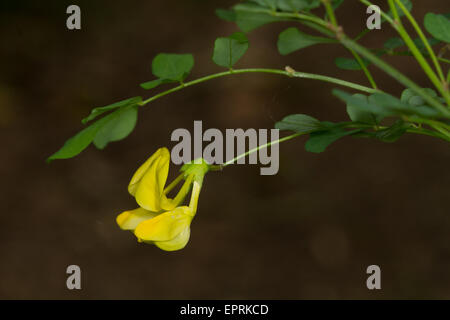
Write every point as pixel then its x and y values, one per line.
pixel 154 83
pixel 77 143
pixel 121 123
pixel 392 133
pixel 175 67
pixel 337 3
pixel 319 141
pixel 421 46
pixel 121 104
pixel 227 51
pixel 438 26
pixel 227 15
pixel 271 4
pixel 297 5
pixel 250 17
pixel 394 43
pixel 395 106
pixel 115 126
pixel 418 105
pixel 300 123
pixel 349 64
pixel 364 105
pixel 358 114
pixel 389 104
pixel 292 39
pixel 409 95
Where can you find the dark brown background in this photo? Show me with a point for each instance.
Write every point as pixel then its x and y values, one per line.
pixel 309 232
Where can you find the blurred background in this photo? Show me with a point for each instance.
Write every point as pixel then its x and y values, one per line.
pixel 309 232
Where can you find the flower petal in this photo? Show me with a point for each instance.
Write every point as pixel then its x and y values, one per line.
pixel 129 220
pixel 165 227
pixel 150 190
pixel 134 183
pixel 178 243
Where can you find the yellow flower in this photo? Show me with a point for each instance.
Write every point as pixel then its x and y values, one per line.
pixel 129 220
pixel 160 220
pixel 147 184
pixel 169 231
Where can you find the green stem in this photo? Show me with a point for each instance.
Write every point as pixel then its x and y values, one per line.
pixel 317 24
pixel 364 68
pixel 349 125
pixel 262 70
pixel 408 53
pixel 397 24
pixel 397 75
pixel 174 183
pixel 430 133
pixel 383 14
pixel 330 12
pixel 445 61
pixel 361 35
pixel 261 147
pixel 444 132
pixel 296 74
pixel 423 38
pixel 289 15
pixel 431 123
pixel 307 19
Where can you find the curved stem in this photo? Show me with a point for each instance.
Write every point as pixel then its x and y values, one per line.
pixel 261 147
pixel 349 125
pixel 290 15
pixel 262 70
pixel 291 72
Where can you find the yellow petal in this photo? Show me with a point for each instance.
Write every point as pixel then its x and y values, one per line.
pixel 129 220
pixel 150 189
pixel 165 227
pixel 178 243
pixel 161 152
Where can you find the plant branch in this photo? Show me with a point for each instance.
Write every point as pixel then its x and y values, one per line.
pixel 423 38
pixel 394 73
pixel 349 125
pixel 364 68
pixel 243 155
pixel 290 73
pixel 397 25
